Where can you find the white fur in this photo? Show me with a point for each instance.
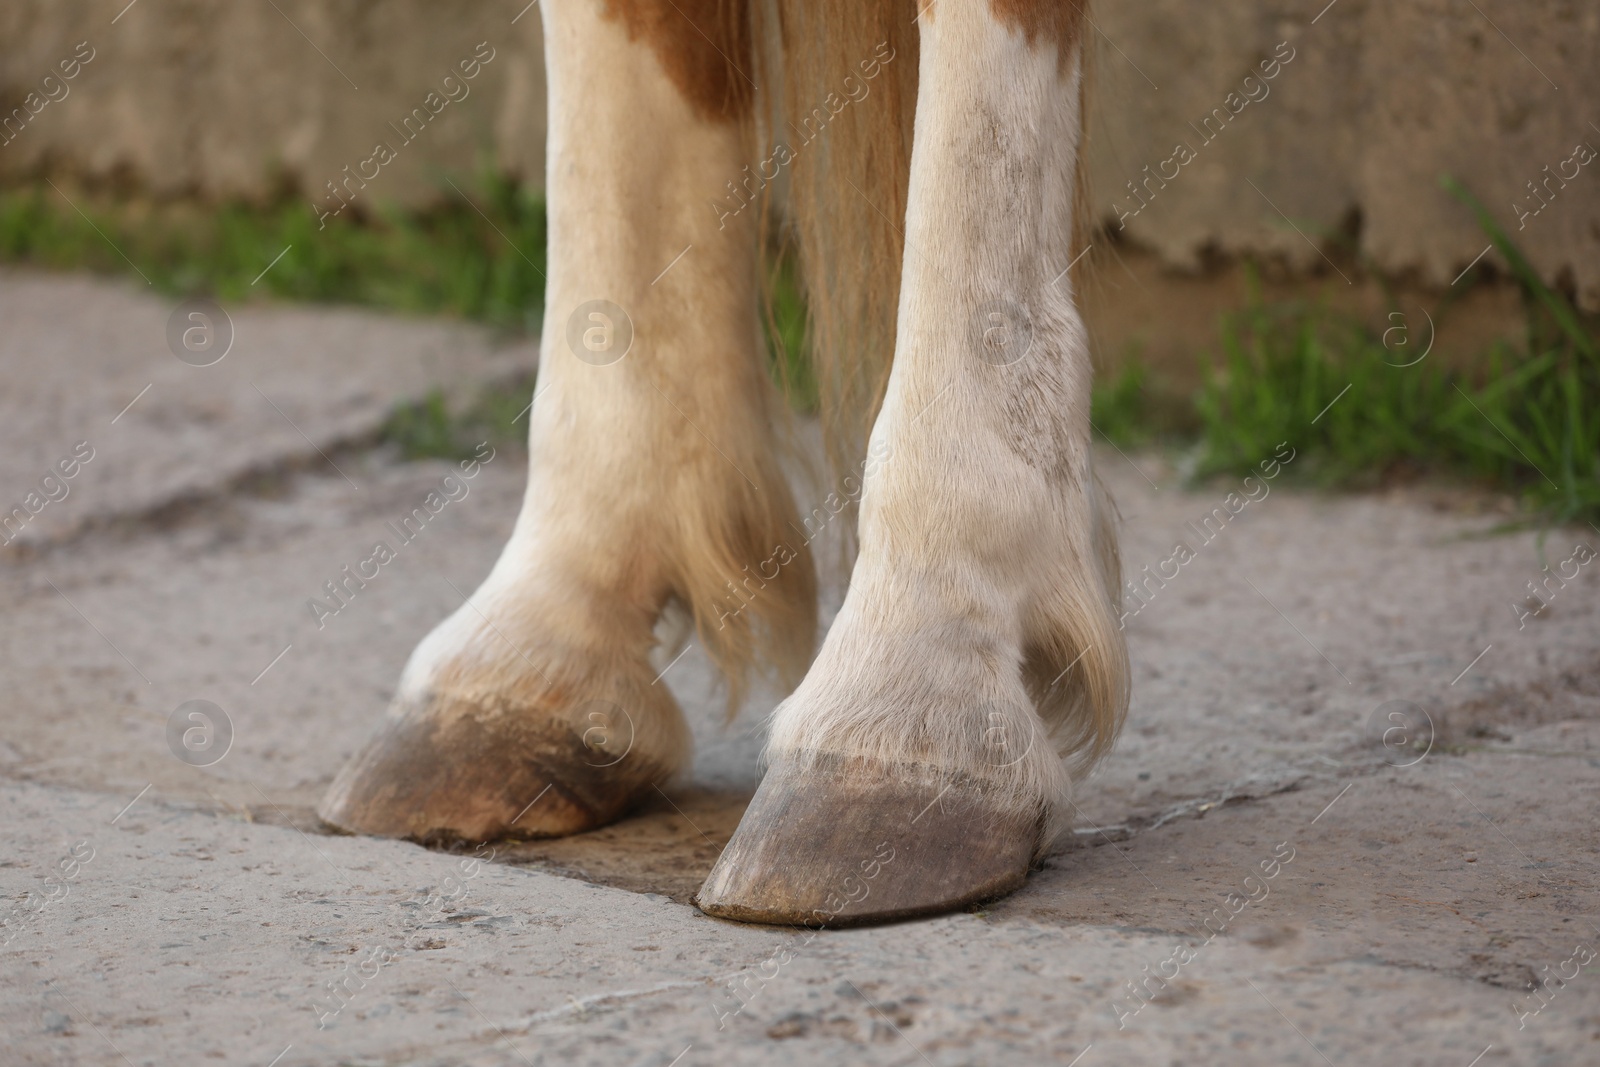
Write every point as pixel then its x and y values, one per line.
pixel 986 564
pixel 983 561
pixel 647 476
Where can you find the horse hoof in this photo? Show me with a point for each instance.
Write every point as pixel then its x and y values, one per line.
pixel 446 770
pixel 850 842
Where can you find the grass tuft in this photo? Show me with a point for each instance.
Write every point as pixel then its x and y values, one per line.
pixel 429 429
pixel 1525 419
pixel 448 260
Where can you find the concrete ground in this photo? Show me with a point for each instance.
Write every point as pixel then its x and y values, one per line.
pixel 1424 895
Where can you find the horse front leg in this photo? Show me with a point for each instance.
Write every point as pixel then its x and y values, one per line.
pixel 534 709
pixel 920 764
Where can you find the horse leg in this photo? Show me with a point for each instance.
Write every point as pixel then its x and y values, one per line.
pixel 534 709
pixel 919 765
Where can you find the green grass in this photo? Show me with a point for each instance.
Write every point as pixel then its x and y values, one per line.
pixel 430 429
pixel 1135 411
pixel 788 336
pixel 1524 418
pixel 482 260
pixel 450 260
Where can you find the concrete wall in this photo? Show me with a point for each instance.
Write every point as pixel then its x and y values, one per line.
pixel 218 99
pixel 1377 101
pixel 1380 99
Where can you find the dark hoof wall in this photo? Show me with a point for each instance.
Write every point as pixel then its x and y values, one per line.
pixel 447 772
pixel 848 843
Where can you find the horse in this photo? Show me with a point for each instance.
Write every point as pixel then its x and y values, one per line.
pixel 923 163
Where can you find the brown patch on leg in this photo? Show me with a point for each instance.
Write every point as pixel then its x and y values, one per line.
pixel 1057 21
pixel 703 45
